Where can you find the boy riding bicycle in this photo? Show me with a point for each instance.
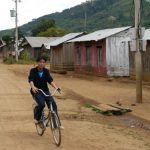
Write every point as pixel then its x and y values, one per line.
pixel 38 79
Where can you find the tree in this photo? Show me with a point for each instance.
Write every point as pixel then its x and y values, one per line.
pixel 20 33
pixel 43 26
pixel 7 39
pixel 53 32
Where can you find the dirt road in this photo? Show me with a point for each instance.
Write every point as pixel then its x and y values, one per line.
pixel 84 129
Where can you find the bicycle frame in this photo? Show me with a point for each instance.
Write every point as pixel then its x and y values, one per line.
pixel 50 106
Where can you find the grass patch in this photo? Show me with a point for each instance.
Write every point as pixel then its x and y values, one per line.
pixel 88 105
pixel 11 60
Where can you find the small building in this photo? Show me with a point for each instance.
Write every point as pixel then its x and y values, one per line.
pixel 33 45
pixel 62 53
pixel 2 44
pixel 145 58
pixel 7 49
pixel 102 52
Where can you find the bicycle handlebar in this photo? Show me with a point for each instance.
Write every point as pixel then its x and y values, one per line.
pixel 46 94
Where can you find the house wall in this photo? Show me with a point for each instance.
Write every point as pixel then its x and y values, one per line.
pixel 46 52
pixel 34 52
pixel 1 53
pixel 146 63
pixel 30 50
pixel 1 50
pixel 62 57
pixel 7 50
pixel 92 67
pixel 37 52
pixel 117 55
pixel 56 57
pixel 68 56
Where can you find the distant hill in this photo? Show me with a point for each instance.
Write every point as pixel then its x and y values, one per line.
pixel 100 14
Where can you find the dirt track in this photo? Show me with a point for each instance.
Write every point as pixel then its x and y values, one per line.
pixel 84 130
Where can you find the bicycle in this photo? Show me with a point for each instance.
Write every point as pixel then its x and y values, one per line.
pixel 52 119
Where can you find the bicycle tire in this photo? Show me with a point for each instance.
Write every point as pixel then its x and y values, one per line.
pixel 55 128
pixel 40 128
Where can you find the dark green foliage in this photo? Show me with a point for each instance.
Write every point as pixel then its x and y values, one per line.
pixel 7 39
pixel 9 35
pixel 20 33
pixel 9 60
pixel 25 56
pixel 23 60
pixel 53 32
pixel 46 55
pixel 43 26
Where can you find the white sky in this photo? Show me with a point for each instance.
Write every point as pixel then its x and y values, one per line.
pixel 31 9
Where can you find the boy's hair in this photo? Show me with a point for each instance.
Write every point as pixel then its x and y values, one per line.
pixel 40 58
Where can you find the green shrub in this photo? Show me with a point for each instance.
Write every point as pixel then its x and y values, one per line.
pixel 25 56
pixel 9 60
pixel 46 55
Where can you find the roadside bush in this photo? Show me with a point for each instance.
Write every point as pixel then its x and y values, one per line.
pixel 25 56
pixel 46 55
pixel 9 60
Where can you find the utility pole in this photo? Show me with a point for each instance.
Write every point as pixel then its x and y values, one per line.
pixel 14 13
pixel 16 34
pixel 138 53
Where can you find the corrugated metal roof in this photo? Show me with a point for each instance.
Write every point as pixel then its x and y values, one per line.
pixel 46 45
pixel 38 41
pixel 98 35
pixel 2 43
pixel 64 39
pixel 147 34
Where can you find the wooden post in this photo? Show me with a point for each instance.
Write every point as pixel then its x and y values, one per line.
pixel 138 54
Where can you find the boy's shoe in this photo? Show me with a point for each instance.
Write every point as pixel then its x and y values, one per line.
pixel 36 121
pixel 61 127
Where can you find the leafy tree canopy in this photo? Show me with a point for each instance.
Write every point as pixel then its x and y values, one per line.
pixel 43 26
pixel 7 39
pixel 53 32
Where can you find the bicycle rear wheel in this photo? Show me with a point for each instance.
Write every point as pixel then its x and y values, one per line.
pixel 55 128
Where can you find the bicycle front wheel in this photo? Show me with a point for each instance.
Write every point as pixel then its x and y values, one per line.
pixel 40 128
pixel 55 128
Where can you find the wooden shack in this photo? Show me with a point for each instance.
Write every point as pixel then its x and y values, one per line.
pixel 62 53
pixel 102 53
pixel 33 45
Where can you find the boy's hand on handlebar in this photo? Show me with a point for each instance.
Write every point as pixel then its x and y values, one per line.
pixel 34 89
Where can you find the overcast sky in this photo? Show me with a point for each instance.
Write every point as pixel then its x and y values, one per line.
pixel 31 9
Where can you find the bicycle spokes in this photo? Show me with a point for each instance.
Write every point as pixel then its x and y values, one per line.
pixel 55 127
